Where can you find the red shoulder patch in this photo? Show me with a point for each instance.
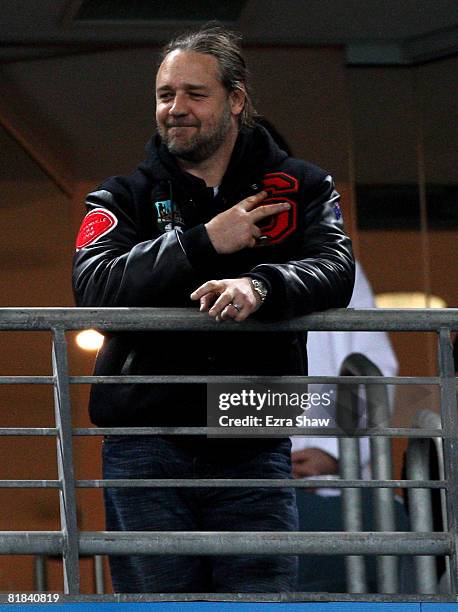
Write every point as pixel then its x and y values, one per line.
pixel 95 224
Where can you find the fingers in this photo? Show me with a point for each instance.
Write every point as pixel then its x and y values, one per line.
pixel 235 228
pixel 268 210
pixel 206 301
pixel 224 300
pixel 232 311
pixel 216 298
pixel 208 287
pixel 229 307
pixel 253 201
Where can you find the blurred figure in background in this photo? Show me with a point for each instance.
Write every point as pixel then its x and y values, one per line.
pixel 326 352
pixel 312 457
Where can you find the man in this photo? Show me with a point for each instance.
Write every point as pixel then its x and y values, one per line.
pixel 217 215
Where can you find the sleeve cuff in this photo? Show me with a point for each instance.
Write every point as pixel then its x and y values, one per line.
pixel 199 248
pixel 269 310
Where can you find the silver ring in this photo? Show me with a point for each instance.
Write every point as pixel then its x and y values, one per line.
pixel 236 306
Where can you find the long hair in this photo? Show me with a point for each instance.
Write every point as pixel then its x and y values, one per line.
pixel 224 45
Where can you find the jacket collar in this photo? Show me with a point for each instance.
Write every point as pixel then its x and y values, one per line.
pixel 254 154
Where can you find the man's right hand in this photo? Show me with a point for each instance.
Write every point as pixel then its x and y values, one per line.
pixel 236 229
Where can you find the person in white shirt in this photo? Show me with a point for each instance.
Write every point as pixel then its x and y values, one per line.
pixel 315 456
pixel 321 509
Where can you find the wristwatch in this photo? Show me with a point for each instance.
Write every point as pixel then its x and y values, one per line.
pixel 260 288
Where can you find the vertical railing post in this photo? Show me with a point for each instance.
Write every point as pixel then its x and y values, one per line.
pixel 40 573
pixel 99 575
pixel 449 416
pixel 421 511
pixel 349 467
pixel 378 415
pixel 67 496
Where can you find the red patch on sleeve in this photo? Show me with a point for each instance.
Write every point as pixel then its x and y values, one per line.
pixel 95 224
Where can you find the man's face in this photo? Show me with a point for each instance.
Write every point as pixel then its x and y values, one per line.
pixel 194 113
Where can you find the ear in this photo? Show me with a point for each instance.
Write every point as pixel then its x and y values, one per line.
pixel 237 101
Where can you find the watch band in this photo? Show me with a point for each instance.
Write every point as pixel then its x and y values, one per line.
pixel 260 288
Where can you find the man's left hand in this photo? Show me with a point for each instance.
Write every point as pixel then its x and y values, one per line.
pixel 230 298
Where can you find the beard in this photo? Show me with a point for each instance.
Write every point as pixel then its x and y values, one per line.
pixel 200 146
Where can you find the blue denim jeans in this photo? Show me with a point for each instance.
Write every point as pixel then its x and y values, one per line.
pixel 197 509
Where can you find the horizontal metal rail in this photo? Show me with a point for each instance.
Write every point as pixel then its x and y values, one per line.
pixel 328 380
pixel 170 379
pixel 189 319
pixel 283 597
pixel 229 543
pixel 391 432
pixel 310 483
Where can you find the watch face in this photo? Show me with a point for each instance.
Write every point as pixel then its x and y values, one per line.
pixel 260 288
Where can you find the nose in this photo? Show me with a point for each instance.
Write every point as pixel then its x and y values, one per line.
pixel 179 107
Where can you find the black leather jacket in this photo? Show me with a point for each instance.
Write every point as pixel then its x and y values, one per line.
pixel 143 243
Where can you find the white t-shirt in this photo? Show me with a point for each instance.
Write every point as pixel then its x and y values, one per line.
pixel 326 352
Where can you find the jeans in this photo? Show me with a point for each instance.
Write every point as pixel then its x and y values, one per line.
pixel 197 509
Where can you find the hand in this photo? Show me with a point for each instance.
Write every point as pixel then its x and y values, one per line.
pixel 231 298
pixel 236 229
pixel 313 462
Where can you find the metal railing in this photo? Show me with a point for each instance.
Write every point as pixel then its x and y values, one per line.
pixel 378 415
pixel 420 456
pixel 70 543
